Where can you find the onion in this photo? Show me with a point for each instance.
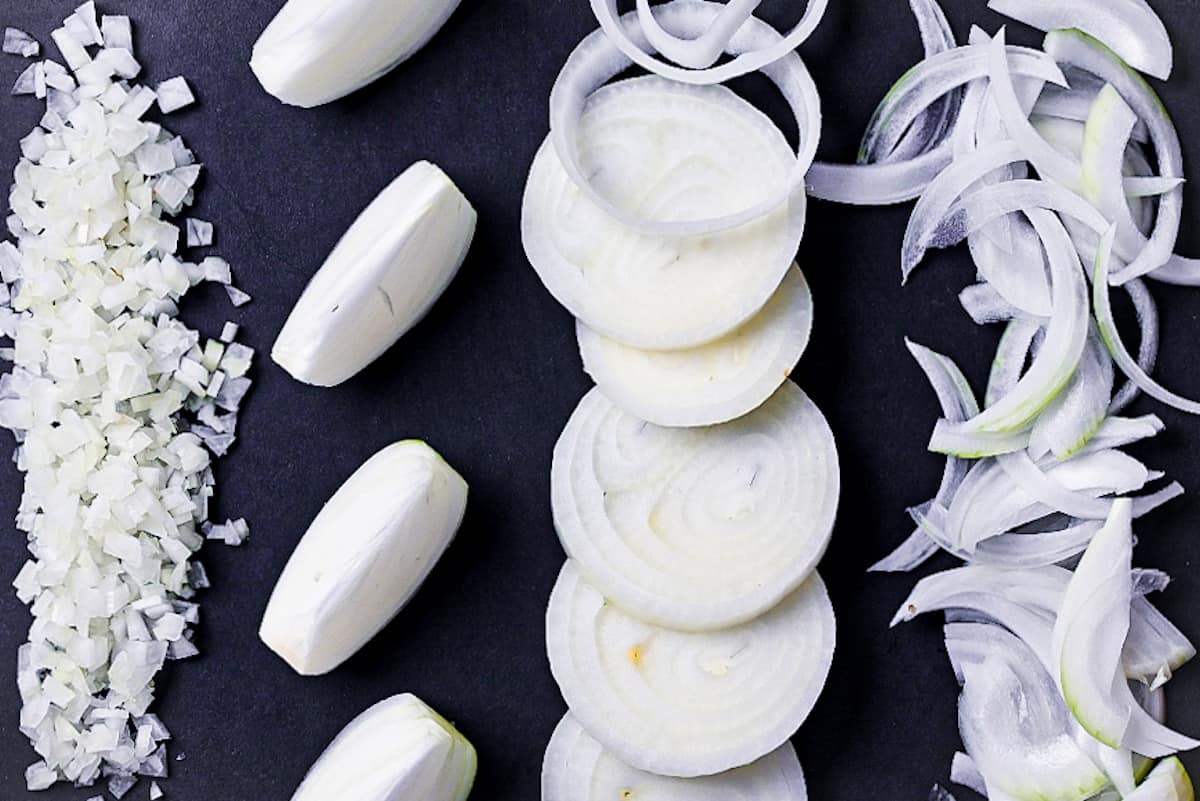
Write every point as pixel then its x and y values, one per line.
pixel 712 151
pixel 575 763
pixel 696 529
pixel 1129 27
pixel 718 32
pixel 688 704
pixel 712 383
pixel 597 60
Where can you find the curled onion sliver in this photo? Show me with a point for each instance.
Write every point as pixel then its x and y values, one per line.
pixel 632 42
pixel 882 184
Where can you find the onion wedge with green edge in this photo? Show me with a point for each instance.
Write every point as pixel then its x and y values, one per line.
pixel 399 749
pixel 712 383
pixel 1168 781
pixel 1129 27
pixel 1013 723
pixel 597 60
pixel 632 41
pixel 1074 417
pixel 578 768
pixel 1079 50
pixel 957 400
pixel 1089 636
pixel 1066 336
pixel 1102 303
pixel 688 704
pixel 659 148
pixel 696 528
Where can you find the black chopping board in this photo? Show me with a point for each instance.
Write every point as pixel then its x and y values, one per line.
pixel 491 376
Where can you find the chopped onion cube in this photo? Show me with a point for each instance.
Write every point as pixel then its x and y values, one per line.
pixel 174 94
pixel 19 43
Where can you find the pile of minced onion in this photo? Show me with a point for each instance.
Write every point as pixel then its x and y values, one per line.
pixel 117 405
pixel 695 488
pixel 1061 170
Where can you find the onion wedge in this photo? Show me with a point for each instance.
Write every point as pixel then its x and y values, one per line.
pixel 576 764
pixel 696 529
pixel 713 383
pixel 688 704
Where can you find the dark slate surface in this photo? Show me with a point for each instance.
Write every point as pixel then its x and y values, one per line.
pixel 491 376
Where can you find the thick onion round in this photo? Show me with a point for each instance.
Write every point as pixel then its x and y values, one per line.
pixel 577 768
pixel 713 383
pixel 696 529
pixel 661 150
pixel 688 704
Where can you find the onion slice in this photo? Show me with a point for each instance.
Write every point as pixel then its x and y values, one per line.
pixel 635 42
pixel 712 383
pixel 1129 27
pixel 696 529
pixel 660 148
pixel 688 704
pixel 597 60
pixel 1089 635
pixel 578 768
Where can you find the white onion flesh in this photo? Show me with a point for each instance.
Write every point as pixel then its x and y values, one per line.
pixel 726 24
pixel 1089 636
pixel 112 400
pixel 597 60
pixel 710 150
pixel 688 704
pixel 936 122
pixel 1129 27
pixel 696 529
pixel 578 768
pixel 1013 722
pixel 712 383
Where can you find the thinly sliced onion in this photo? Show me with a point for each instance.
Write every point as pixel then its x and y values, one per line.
pixel 1048 161
pixel 1011 355
pixel 1066 336
pixel 939 197
pixel 597 60
pixel 578 768
pixel 1018 275
pixel 1013 722
pixel 1089 636
pixel 958 403
pixel 760 55
pixel 1105 140
pixel 1074 417
pixel 1025 601
pixel 933 79
pixel 1147 317
pixel 1083 52
pixel 688 704
pixel 877 184
pixel 1102 304
pixel 984 305
pixel 696 529
pixel 1044 488
pixel 1074 103
pixel 713 383
pixel 932 126
pixel 976 210
pixel 653 291
pixel 1129 27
